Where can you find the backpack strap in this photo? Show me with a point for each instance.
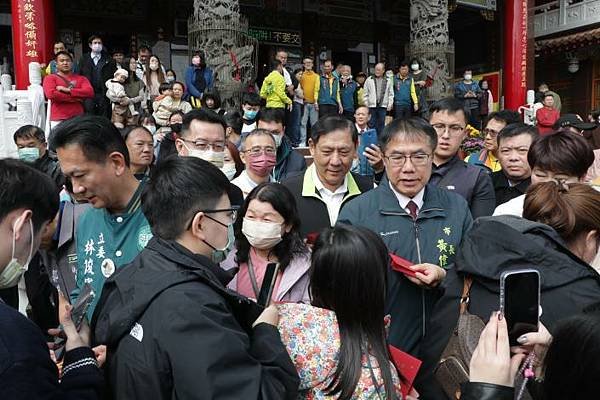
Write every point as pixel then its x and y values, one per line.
pixel 464 297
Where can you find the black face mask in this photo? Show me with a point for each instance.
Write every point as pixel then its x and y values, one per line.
pixel 176 127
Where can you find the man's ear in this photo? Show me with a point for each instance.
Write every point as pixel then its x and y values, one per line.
pixel 311 147
pixel 196 227
pixel 117 160
pixel 21 218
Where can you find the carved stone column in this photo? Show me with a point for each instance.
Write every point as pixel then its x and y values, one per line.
pixel 429 42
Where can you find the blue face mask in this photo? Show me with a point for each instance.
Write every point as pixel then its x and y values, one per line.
pixel 29 154
pixel 250 114
pixel 219 255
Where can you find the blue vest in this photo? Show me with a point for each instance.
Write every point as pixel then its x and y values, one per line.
pixel 347 95
pixel 324 89
pixel 402 91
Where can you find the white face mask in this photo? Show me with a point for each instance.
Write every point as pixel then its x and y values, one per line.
pixel 468 77
pixel 170 79
pixel 151 128
pixel 415 67
pixel 216 159
pixel 96 48
pixel 229 170
pixel 277 140
pixel 262 235
pixel 13 272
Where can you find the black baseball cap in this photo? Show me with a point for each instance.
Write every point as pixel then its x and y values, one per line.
pixel 575 121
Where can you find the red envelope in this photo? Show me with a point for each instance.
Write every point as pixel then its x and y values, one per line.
pixel 407 365
pixel 402 265
pixel 311 238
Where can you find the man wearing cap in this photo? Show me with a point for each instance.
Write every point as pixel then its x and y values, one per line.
pixel 573 123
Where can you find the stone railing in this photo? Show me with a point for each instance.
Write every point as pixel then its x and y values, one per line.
pixel 562 15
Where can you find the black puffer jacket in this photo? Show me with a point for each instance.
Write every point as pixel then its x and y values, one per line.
pixel 494 245
pixel 486 391
pixel 174 331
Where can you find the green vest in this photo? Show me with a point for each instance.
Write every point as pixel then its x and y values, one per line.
pixel 106 242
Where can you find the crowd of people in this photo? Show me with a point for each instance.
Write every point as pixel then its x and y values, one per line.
pixel 163 247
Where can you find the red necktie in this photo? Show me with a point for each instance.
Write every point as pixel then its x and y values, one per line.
pixel 412 208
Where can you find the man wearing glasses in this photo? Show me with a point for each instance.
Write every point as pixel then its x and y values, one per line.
pixel 172 328
pixel 419 222
pixel 258 153
pixel 449 119
pixel 203 136
pixel 487 157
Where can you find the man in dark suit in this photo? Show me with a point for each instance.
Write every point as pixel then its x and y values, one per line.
pixel 96 67
pixel 328 185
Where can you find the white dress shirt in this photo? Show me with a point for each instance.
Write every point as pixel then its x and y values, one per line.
pixel 245 183
pixel 333 200
pixel 404 200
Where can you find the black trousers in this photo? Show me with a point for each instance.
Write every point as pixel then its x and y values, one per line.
pixel 327 109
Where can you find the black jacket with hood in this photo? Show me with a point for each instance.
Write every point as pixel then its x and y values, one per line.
pixel 494 245
pixel 173 330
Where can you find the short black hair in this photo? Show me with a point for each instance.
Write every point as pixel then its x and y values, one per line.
pixel 451 105
pixel 22 186
pixel 561 153
pixel 411 127
pixel 127 131
pixel 92 37
pixel 144 47
pixel 190 183
pixel 204 116
pixel 506 116
pixel 548 95
pixel 276 115
pixel 30 132
pixel 117 50
pixel 333 123
pixel 164 87
pixel 516 129
pixel 96 136
pixel 233 120
pixel 170 70
pixel 275 64
pixel 63 53
pixel 403 64
pixel 177 112
pixel 252 99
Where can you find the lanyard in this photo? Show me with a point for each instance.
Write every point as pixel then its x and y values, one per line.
pixel 253 280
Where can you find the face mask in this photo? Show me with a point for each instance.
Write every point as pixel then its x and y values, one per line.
pixel 277 140
pixel 151 128
pixel 262 235
pixel 153 66
pixel 29 154
pixel 261 165
pixel 468 77
pixel 229 170
pixel 250 114
pixel 13 272
pixel 196 61
pixel 170 79
pixel 216 159
pixel 219 255
pixel 96 48
pixel 484 87
pixel 415 67
pixel 176 127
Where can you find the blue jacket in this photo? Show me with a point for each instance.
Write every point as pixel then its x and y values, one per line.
pixel 328 95
pixel 190 89
pixel 404 92
pixel 433 238
pixel 348 95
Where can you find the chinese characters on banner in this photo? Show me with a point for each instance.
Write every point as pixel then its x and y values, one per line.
pixel 515 53
pixel 523 50
pixel 265 35
pixel 33 35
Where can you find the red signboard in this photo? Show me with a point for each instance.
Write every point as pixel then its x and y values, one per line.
pixel 33 35
pixel 515 54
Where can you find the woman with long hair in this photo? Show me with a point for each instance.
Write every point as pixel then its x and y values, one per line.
pixel 268 231
pixel 339 343
pixel 153 77
pixel 558 236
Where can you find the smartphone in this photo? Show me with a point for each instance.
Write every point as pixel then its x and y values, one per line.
pixel 520 302
pixel 367 139
pixel 266 290
pixel 80 309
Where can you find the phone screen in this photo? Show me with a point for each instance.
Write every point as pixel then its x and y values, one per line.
pixel 521 303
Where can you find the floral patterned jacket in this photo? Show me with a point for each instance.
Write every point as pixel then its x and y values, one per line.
pixel 312 338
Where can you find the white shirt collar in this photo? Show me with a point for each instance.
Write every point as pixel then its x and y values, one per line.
pixel 320 187
pixel 403 200
pixel 358 128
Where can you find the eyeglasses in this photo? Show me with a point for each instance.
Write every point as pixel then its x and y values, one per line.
pixel 490 132
pixel 454 130
pixel 218 147
pixel 257 151
pixel 233 212
pixel 417 159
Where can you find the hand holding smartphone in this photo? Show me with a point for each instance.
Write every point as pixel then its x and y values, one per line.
pixel 520 302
